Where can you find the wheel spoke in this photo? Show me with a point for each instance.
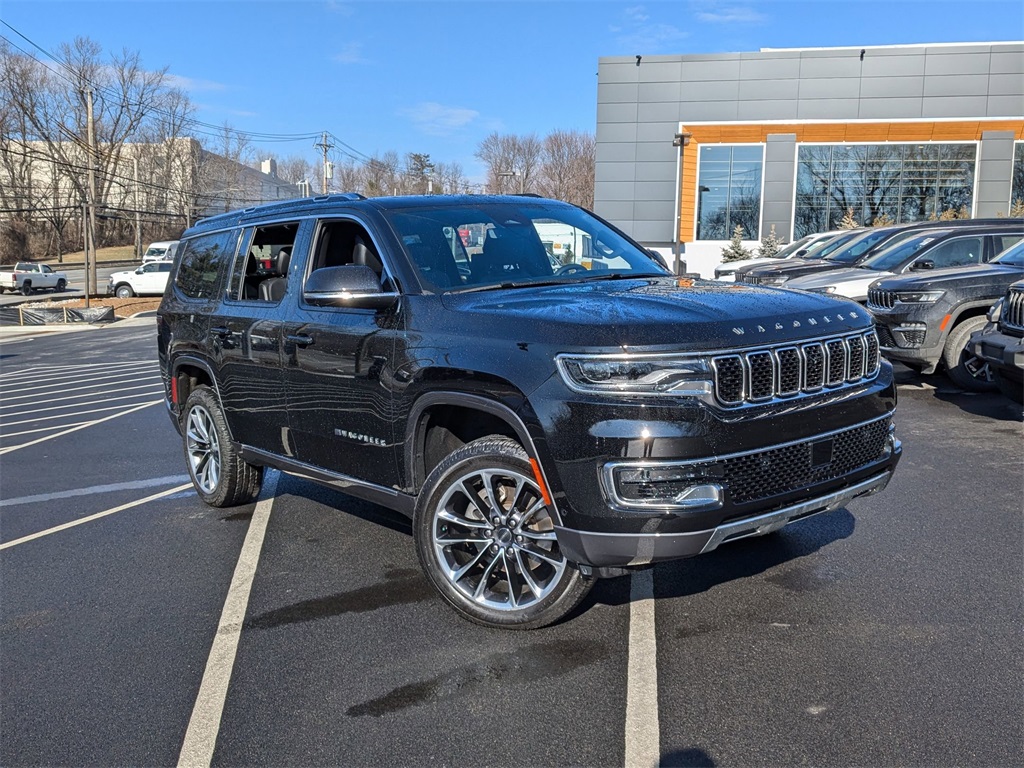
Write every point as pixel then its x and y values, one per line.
pixel 540 554
pixel 533 586
pixel 488 478
pixel 456 576
pixel 478 593
pixel 528 515
pixel 451 517
pixel 447 542
pixel 471 497
pixel 539 535
pixel 513 597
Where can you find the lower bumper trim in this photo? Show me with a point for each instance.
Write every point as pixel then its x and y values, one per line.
pixel 630 549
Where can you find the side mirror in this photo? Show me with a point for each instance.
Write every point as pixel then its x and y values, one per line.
pixel 354 285
pixel 923 264
pixel 657 257
pixel 801 252
pixel 140 271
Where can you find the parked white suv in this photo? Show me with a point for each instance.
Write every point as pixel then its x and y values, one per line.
pixel 160 251
pixel 148 280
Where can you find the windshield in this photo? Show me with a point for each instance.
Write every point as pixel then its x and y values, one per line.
pixel 792 248
pixel 837 242
pixel 513 243
pixel 1012 256
pixel 890 259
pixel 855 249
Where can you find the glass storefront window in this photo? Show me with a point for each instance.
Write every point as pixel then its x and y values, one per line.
pixel 1017 187
pixel 729 191
pixel 900 182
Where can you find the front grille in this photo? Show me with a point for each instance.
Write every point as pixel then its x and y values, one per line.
pixel 1012 316
pixel 879 299
pixel 760 375
pixel 763 474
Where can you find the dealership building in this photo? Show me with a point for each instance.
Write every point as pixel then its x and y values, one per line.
pixel 689 147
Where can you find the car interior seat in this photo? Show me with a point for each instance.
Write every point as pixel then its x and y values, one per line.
pixel 274 288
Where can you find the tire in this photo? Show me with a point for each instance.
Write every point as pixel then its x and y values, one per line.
pixel 26 288
pixel 486 539
pixel 220 476
pixel 124 291
pixel 61 286
pixel 1009 387
pixel 967 370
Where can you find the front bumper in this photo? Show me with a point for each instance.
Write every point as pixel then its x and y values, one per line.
pixel 619 549
pixel 999 349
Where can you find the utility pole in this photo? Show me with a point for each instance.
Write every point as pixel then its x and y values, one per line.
pixel 323 146
pixel 85 250
pixel 138 211
pixel 90 265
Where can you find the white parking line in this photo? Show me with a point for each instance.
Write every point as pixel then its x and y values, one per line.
pixel 60 416
pixel 72 405
pixel 69 372
pixel 132 485
pixel 204 725
pixel 643 732
pixel 92 384
pixel 118 415
pixel 41 429
pixel 6 405
pixel 90 518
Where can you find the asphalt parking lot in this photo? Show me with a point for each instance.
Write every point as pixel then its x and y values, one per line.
pixel 140 627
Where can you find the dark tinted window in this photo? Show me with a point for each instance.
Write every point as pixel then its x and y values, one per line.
pixel 1013 257
pixel 201 263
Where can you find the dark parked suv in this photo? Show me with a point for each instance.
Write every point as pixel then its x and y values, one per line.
pixel 926 317
pixel 1000 343
pixel 541 423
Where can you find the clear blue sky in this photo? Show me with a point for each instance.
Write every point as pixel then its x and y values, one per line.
pixel 436 77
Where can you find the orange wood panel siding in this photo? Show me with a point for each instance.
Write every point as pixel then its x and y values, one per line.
pixel 827 133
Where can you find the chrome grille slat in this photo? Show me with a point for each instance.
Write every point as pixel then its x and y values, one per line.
pixel 1013 310
pixel 880 299
pixel 756 376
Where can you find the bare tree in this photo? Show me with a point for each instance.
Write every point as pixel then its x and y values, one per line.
pixel 512 162
pixel 567 170
pixel 450 179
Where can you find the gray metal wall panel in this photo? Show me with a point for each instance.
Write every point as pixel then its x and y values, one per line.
pixel 613 190
pixel 779 109
pixel 710 111
pixel 656 171
pixel 779 182
pixel 616 93
pixel 653 210
pixel 1006 85
pixel 618 171
pixel 832 65
pixel 659 72
pixel 616 113
pixel 1006 62
pixel 891 64
pixel 617 72
pixel 719 90
pixel 616 210
pixel 656 151
pixel 996 145
pixel 726 69
pixel 827 109
pixel 949 63
pixel 661 112
pixel 1005 106
pixel 616 152
pixel 760 90
pixel 828 88
pixel 890 87
pixel 961 106
pixel 650 231
pixel 890 109
pixel 618 132
pixel 785 68
pixel 656 131
pixel 955 85
pixel 655 92
pixel 648 192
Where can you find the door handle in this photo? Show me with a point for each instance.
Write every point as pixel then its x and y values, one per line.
pixel 300 339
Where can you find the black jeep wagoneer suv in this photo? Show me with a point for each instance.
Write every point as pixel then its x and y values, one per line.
pixel 535 390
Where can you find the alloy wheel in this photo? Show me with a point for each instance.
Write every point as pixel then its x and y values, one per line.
pixel 203 447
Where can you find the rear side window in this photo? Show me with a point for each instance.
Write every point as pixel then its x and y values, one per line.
pixel 201 263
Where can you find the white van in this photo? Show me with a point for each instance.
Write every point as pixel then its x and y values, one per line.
pixel 160 251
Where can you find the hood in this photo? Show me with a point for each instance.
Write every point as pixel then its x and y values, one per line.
pixel 961 277
pixel 657 311
pixel 125 275
pixel 844 276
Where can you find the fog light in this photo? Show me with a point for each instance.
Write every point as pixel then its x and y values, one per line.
pixel 679 488
pixel 910 334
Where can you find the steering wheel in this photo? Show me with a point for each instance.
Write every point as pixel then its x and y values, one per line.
pixel 570 269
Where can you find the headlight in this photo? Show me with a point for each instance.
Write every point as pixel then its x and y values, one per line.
pixel 636 375
pixel 829 289
pixel 919 297
pixel 773 280
pixel 995 311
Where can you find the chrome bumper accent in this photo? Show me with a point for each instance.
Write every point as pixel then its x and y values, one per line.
pixel 772 521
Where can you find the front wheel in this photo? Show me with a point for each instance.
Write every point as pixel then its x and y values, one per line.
pixel 967 370
pixel 124 292
pixel 61 285
pixel 220 476
pixel 486 539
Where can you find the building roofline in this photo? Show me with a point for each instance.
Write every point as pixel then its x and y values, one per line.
pixel 896 45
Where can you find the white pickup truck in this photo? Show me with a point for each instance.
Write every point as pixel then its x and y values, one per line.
pixel 26 277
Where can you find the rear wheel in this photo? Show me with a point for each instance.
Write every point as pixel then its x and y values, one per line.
pixel 26 288
pixel 220 476
pixel 967 370
pixel 486 539
pixel 124 292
